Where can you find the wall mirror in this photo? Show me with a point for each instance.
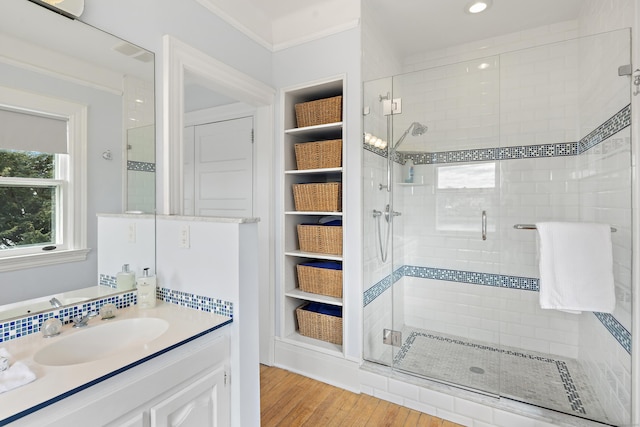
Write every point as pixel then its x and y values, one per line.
pixel 52 60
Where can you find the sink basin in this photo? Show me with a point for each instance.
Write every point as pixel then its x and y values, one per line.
pixel 101 341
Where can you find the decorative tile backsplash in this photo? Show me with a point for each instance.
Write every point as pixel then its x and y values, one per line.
pixel 141 166
pixel 213 305
pixel 19 327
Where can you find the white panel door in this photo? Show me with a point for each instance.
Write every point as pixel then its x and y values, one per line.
pixel 204 403
pixel 223 168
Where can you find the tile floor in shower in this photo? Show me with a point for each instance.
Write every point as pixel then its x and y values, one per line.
pixel 539 379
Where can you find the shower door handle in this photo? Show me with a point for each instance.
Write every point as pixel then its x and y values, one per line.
pixel 484 225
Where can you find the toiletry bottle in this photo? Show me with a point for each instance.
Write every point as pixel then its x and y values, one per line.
pixel 146 290
pixel 409 178
pixel 125 279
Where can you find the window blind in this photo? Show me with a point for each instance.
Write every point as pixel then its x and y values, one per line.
pixel 32 132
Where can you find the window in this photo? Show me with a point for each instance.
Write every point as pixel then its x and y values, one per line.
pixel 42 180
pixel 462 193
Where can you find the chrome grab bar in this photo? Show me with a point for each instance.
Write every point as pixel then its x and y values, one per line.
pixel 533 227
pixel 484 225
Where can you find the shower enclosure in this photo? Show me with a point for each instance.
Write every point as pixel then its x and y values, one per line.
pixel 458 161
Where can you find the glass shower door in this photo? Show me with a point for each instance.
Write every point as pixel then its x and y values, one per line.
pixel 445 241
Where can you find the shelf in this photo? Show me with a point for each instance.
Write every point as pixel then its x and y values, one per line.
pixel 308 296
pixel 290 296
pixel 312 171
pixel 314 344
pixel 313 213
pixel 315 129
pixel 302 254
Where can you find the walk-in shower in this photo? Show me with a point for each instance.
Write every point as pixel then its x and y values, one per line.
pixel 451 287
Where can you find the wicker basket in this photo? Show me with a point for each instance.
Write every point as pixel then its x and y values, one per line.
pixel 319 112
pixel 319 280
pixel 319 326
pixel 324 239
pixel 318 197
pixel 320 154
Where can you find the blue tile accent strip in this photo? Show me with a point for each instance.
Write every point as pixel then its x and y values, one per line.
pixel 476 278
pixel 141 166
pixel 615 124
pixel 620 121
pixel 213 305
pixel 618 331
pixel 19 327
pixel 378 289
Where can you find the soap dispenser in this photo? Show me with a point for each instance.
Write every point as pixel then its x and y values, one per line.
pixel 146 290
pixel 125 279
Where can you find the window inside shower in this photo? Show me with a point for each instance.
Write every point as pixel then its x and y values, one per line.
pixel 539 134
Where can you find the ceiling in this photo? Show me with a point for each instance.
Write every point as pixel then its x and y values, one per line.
pixel 411 26
pixel 414 26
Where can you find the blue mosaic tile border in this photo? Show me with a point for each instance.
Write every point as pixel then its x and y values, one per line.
pixel 23 326
pixel 616 329
pixel 563 370
pixel 378 289
pixel 141 166
pixel 485 279
pixel 619 332
pixel 19 327
pixel 615 124
pixel 472 277
pixel 213 305
pixel 620 121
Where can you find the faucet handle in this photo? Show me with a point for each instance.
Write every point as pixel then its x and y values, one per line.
pixel 51 327
pixel 80 320
pixel 108 311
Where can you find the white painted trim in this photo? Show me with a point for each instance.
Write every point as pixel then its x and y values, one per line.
pixel 42 259
pixel 270 44
pixel 208 4
pixel 334 370
pixel 21 54
pixel 75 207
pixel 225 112
pixel 317 35
pixel 178 57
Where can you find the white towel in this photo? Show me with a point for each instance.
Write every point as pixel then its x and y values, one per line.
pixel 576 267
pixel 17 375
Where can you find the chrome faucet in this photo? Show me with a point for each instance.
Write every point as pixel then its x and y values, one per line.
pixel 81 321
pixel 55 302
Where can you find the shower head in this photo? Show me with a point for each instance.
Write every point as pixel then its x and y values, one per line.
pixel 418 129
pixel 415 128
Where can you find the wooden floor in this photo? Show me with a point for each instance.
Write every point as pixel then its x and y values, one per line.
pixel 288 399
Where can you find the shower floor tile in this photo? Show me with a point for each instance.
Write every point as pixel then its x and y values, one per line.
pixel 536 378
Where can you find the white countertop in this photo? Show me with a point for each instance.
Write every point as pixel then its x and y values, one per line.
pixel 51 382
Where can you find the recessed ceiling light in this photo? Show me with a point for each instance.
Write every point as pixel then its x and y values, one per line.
pixel 478 6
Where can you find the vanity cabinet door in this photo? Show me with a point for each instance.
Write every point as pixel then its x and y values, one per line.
pixel 129 420
pixel 205 403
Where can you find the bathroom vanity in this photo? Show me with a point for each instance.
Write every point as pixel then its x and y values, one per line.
pixel 174 371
